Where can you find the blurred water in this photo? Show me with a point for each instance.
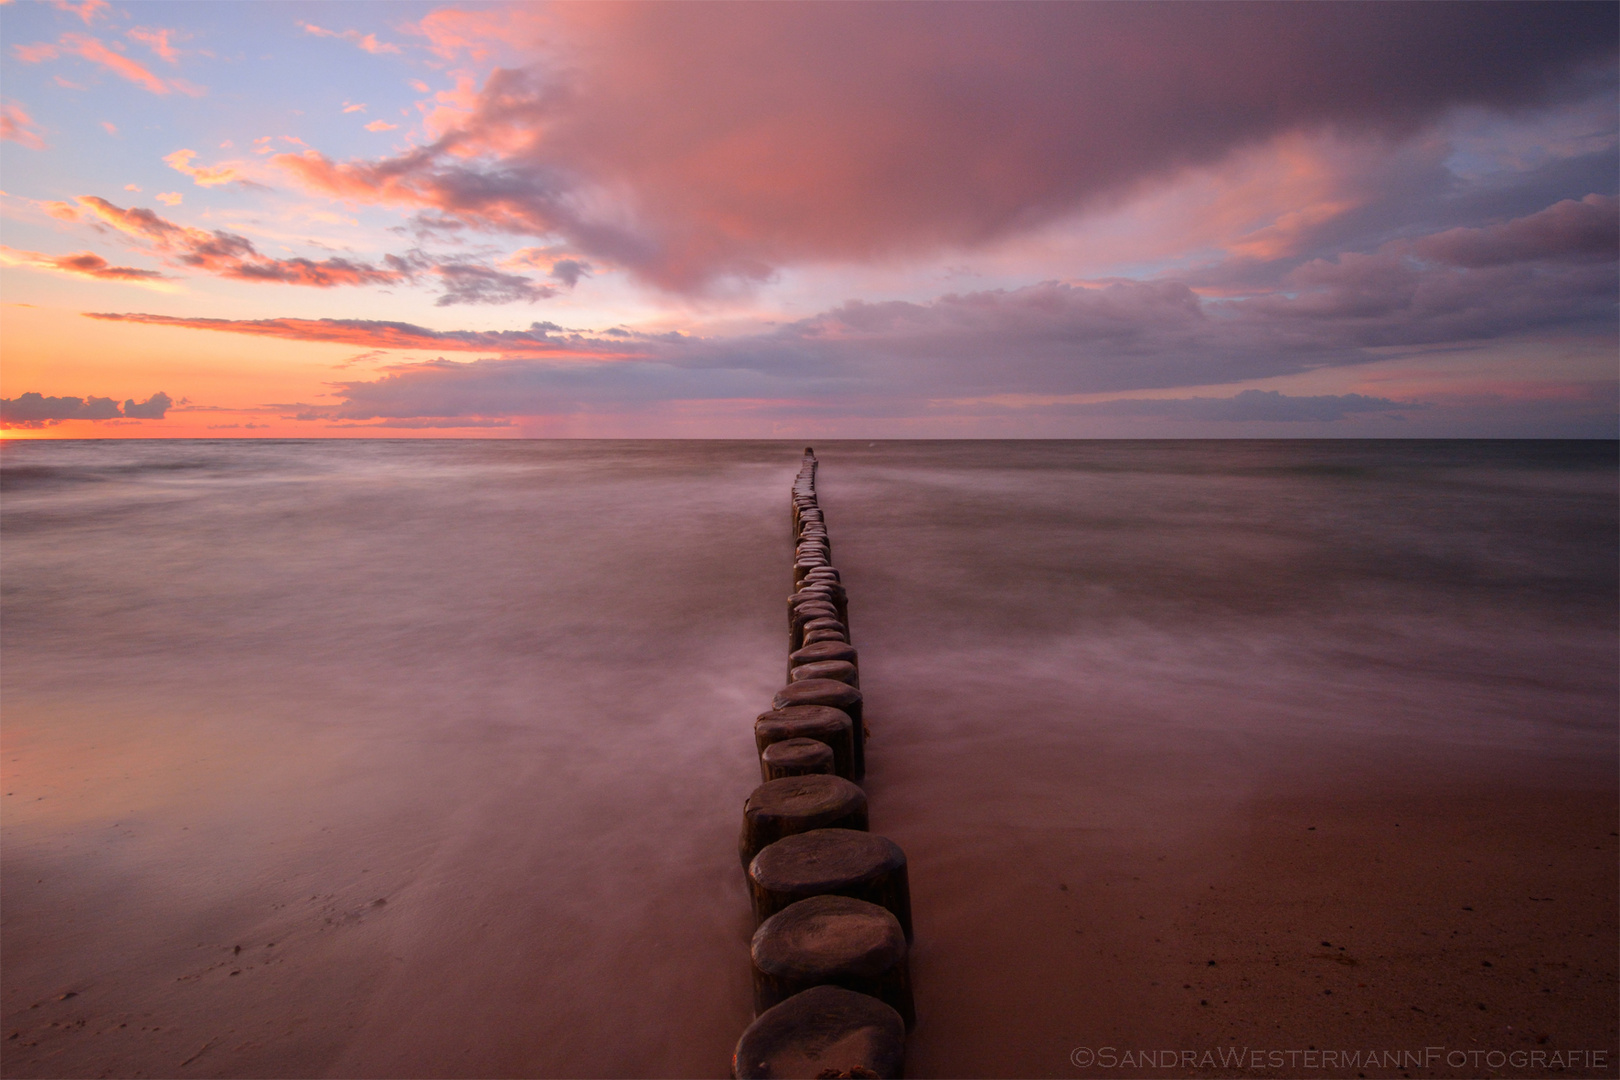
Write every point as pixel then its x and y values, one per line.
pixel 450 738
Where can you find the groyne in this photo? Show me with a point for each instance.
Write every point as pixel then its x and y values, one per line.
pixel 831 900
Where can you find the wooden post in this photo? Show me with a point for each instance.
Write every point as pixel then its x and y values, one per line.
pixel 825 1031
pixel 836 941
pixel 830 726
pixel 835 694
pixel 840 862
pixel 796 757
pixel 797 804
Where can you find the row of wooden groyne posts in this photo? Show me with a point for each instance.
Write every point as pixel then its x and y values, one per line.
pixel 832 986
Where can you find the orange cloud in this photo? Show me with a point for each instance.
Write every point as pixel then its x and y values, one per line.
pixel 381 125
pixel 81 264
pixel 17 126
pixel 204 175
pixel 170 198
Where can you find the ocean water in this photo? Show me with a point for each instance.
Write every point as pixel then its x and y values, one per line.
pixel 427 758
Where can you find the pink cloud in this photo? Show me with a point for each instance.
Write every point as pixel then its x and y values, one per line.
pixel 854 132
pixel 1587 227
pixel 157 41
pixel 227 255
pixel 453 33
pixel 97 52
pixel 542 339
pixel 381 125
pixel 18 127
pixel 94 51
pixel 170 198
pixel 448 109
pixel 558 263
pixel 368 42
pixel 36 53
pixel 87 10
pixel 230 256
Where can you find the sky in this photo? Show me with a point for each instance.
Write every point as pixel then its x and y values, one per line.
pixel 783 220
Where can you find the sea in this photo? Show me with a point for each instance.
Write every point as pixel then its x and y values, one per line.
pixel 426 758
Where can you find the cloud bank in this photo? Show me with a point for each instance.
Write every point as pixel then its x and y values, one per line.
pixel 235 257
pixel 1556 267
pixel 541 339
pixel 1248 406
pixel 32 410
pixel 853 132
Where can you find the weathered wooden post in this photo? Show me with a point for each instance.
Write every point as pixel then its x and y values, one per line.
pixel 830 957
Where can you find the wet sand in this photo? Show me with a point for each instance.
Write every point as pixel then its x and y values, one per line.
pixel 1460 919
pixel 453 749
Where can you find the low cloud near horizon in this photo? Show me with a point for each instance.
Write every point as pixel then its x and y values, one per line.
pixel 1554 267
pixel 33 410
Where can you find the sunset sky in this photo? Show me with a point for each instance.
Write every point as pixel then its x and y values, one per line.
pixel 786 220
